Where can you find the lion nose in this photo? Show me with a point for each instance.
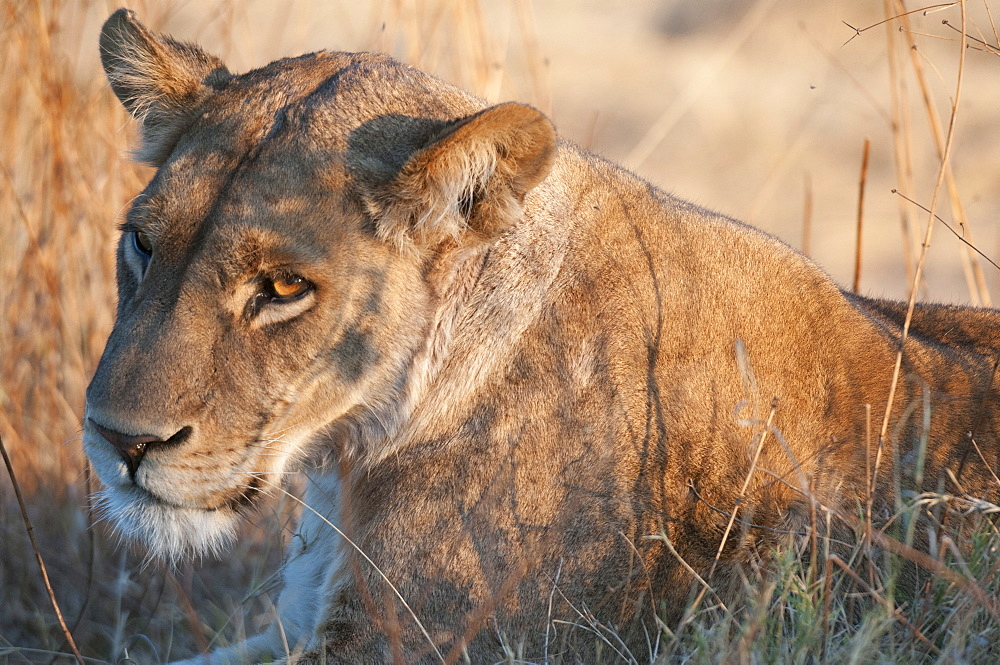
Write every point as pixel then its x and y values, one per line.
pixel 133 448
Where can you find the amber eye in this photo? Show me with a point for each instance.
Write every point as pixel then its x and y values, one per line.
pixel 142 243
pixel 279 299
pixel 289 287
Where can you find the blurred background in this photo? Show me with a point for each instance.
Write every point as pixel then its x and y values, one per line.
pixel 755 108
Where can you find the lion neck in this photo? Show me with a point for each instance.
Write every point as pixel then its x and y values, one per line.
pixel 485 298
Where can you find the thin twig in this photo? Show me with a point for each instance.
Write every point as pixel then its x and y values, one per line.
pixel 902 140
pixel 990 47
pixel 827 598
pixel 38 555
pixel 92 558
pixel 996 35
pixel 949 227
pixel 979 452
pixel 548 614
pixel 858 31
pixel 871 475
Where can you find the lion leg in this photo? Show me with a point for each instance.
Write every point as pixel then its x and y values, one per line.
pixel 312 554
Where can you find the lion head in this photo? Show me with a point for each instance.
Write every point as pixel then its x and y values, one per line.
pixel 280 277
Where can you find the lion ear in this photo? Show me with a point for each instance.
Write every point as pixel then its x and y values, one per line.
pixel 468 182
pixel 159 81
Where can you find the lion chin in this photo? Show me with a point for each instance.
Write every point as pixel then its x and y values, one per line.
pixel 170 533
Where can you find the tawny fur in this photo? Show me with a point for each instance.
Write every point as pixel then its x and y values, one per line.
pixel 515 363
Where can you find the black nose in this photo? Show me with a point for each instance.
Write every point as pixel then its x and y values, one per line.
pixel 133 448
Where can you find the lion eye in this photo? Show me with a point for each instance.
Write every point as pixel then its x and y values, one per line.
pixel 287 288
pixel 142 243
pixel 279 299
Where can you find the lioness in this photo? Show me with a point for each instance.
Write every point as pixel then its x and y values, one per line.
pixel 525 382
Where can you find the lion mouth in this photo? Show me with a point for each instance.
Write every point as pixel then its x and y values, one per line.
pixel 235 500
pixel 239 501
pixel 173 488
pixel 177 508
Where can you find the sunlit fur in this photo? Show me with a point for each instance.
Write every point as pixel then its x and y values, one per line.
pixel 519 371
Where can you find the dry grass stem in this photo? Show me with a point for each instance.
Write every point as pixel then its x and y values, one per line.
pixel 761 436
pixel 861 214
pixel 921 261
pixel 889 608
pixel 807 214
pixel 38 554
pixel 970 264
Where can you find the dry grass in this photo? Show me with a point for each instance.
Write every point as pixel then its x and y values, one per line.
pixel 64 182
